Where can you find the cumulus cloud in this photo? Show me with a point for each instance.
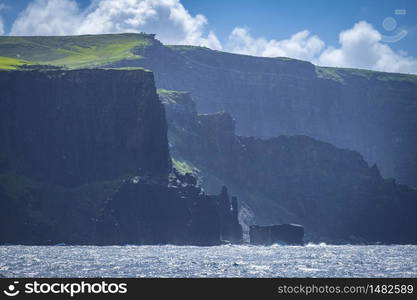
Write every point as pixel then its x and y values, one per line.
pixel 2 7
pixel 361 47
pixel 168 18
pixel 172 23
pixel 48 17
pixel 301 45
pixel 1 27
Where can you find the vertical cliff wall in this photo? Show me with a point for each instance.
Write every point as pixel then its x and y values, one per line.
pixel 72 127
pixel 371 112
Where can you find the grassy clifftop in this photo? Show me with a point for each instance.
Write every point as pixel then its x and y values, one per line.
pixel 88 51
pixel 341 75
pixel 70 51
pixel 10 63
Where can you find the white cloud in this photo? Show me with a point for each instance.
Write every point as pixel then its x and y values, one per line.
pixel 48 17
pixel 301 45
pixel 361 47
pixel 2 6
pixel 172 23
pixel 1 27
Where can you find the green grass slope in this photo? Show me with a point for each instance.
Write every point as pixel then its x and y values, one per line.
pixel 85 51
pixel 341 74
pixel 10 63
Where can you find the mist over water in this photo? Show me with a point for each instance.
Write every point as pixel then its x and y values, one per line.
pixel 222 261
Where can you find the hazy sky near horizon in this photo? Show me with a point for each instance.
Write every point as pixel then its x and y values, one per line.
pixel 372 34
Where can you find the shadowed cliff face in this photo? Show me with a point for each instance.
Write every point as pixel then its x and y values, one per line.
pixel 144 216
pixel 84 159
pixel 293 179
pixel 73 127
pixel 370 112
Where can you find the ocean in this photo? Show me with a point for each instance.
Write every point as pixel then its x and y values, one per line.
pixel 220 261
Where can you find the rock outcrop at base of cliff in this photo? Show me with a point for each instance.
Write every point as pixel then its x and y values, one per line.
pixel 84 159
pixel 178 214
pixel 291 234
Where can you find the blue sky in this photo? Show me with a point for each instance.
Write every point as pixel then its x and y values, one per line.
pixel 277 19
pixel 375 35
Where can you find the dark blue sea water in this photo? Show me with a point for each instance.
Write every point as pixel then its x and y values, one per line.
pixel 222 261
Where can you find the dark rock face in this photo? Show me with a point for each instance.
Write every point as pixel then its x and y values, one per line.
pixel 373 113
pixel 40 213
pixel 134 210
pixel 332 192
pixel 267 235
pixel 84 159
pixel 143 213
pixel 88 124
pixel 231 230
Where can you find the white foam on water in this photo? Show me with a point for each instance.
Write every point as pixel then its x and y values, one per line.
pixel 312 260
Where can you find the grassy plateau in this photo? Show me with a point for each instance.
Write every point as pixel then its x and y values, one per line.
pixel 85 51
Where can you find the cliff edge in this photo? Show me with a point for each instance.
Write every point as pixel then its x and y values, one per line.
pixel 84 159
